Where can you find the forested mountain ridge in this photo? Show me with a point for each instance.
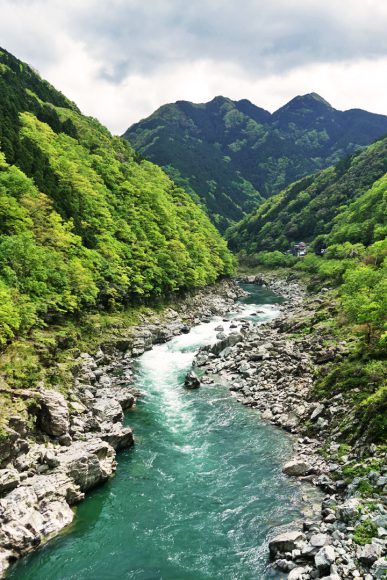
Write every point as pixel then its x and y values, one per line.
pixel 230 154
pixel 343 203
pixel 84 222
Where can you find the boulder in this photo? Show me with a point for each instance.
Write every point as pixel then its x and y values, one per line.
pixel 349 510
pixel 88 463
pixel 319 540
pixel 297 573
pixel 53 416
pixel 108 409
pixel 296 467
pixel 285 543
pixel 369 553
pixel 324 558
pixel 379 568
pixel 192 381
pixel 119 437
pixel 9 479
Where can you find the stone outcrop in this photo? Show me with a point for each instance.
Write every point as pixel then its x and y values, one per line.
pixel 53 417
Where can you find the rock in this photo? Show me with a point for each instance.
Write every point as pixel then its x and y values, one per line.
pixel 231 340
pixel 319 540
pixel 297 573
pixel 324 558
pixel 125 399
pixel 379 568
pixel 317 412
pixel 50 458
pixel 192 381
pixel 88 463
pixel 369 553
pixel 349 510
pixel 119 437
pixel 108 409
pixel 285 542
pixel 9 479
pixel 53 416
pixel 35 510
pixel 296 467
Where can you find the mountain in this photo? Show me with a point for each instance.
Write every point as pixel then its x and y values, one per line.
pixel 84 222
pixel 229 154
pixel 344 203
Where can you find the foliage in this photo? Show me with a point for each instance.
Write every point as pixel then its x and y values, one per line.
pixel 345 204
pixel 231 153
pixel 364 532
pixel 84 222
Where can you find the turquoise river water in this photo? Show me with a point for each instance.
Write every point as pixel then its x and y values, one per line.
pixel 199 495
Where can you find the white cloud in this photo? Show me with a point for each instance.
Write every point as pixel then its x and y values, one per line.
pixel 120 60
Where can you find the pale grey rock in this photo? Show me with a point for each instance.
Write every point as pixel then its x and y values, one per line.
pixel 369 553
pixel 53 417
pixel 296 467
pixel 379 568
pixel 88 463
pixel 297 573
pixel 285 542
pixel 324 558
pixel 319 540
pixel 108 409
pixel 119 437
pixel 349 510
pixel 9 479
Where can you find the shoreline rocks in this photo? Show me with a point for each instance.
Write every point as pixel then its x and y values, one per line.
pixel 46 469
pixel 272 369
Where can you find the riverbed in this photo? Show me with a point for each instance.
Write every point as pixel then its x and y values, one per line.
pixel 201 492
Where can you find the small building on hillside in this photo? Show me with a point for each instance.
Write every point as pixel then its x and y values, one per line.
pixel 299 250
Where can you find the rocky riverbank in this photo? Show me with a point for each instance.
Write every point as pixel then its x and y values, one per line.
pixel 272 368
pixel 68 444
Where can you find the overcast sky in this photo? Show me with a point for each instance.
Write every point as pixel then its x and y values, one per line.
pixel 121 59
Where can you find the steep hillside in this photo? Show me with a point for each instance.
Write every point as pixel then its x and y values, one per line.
pixel 84 222
pixel 344 203
pixel 230 153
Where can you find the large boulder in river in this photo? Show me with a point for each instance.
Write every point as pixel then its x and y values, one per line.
pixel 53 416
pixel 192 381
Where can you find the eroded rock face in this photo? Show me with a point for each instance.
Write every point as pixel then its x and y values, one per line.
pixel 88 463
pixel 53 417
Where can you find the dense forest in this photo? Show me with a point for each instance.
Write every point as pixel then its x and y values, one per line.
pixel 341 210
pixel 85 222
pixel 345 202
pixel 231 154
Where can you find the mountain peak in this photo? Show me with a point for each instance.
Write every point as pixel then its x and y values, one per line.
pixel 311 103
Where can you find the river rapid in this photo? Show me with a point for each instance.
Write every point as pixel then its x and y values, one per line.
pixel 198 496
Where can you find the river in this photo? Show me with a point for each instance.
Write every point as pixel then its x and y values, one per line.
pixel 198 496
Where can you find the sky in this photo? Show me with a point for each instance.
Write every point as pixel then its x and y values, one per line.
pixel 119 60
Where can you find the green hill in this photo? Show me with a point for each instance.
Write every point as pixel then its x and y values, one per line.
pixel 231 154
pixel 344 203
pixel 84 222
